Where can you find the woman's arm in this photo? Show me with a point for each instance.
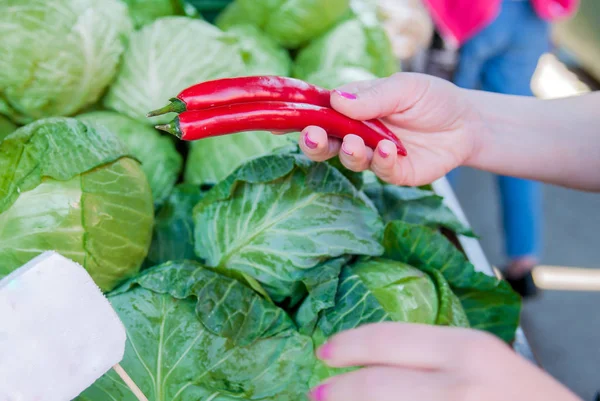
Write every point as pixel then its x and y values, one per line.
pixel 555 141
pixel 443 126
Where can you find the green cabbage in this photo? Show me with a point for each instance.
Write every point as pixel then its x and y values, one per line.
pixel 160 160
pixel 68 187
pixel 58 56
pixel 166 57
pixel 291 23
pixel 355 42
pixel 261 55
pixel 6 127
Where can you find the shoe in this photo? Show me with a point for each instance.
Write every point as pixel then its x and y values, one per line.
pixel 524 286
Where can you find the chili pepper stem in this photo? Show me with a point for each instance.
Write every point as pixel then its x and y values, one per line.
pixel 176 106
pixel 172 128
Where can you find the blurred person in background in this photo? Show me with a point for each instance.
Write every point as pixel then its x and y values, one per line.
pixel 500 43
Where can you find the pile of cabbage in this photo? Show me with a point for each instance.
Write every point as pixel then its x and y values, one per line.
pixel 229 260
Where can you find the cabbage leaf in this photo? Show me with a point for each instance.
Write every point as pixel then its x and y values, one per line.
pixel 173 237
pixel 160 160
pixel 278 217
pixel 414 205
pixel 6 127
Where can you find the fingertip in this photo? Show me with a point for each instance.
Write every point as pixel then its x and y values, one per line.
pixel 384 160
pixel 386 149
pixel 313 139
pixel 347 149
pixel 315 134
pixel 319 393
pixel 354 155
pixel 315 143
pixel 353 145
pixel 325 352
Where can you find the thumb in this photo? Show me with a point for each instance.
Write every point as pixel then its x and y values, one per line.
pixel 381 97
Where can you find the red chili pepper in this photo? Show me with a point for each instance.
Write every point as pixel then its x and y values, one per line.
pixel 282 117
pixel 222 92
pixel 227 91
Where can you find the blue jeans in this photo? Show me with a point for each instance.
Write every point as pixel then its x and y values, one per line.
pixel 502 59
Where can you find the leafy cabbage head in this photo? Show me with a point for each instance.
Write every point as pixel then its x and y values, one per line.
pixel 355 42
pixel 166 57
pixel 68 187
pixel 291 23
pixel 58 56
pixel 160 160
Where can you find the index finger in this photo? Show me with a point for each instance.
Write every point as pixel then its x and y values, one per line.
pixel 416 346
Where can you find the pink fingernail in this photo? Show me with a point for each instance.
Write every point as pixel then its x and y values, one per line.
pixel 309 142
pixel 345 150
pixel 383 153
pixel 346 95
pixel 324 352
pixel 319 393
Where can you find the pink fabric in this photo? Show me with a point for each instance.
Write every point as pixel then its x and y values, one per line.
pixel 552 10
pixel 460 20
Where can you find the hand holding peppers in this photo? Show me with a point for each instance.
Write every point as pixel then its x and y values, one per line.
pixel 434 118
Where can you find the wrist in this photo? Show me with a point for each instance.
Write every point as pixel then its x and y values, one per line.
pixel 505 130
pixel 478 126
